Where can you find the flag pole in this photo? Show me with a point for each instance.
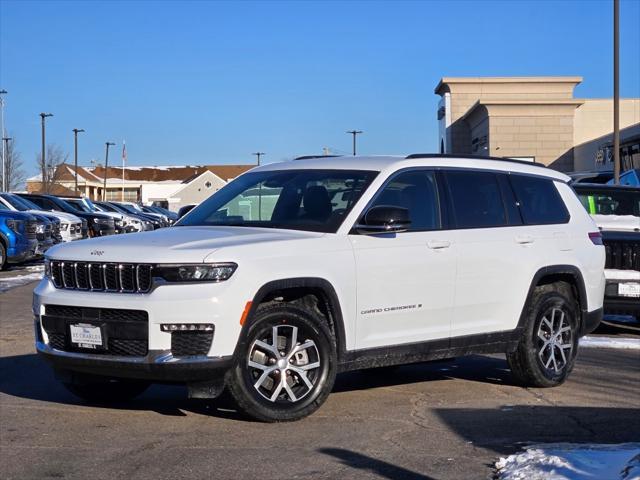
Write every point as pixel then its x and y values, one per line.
pixel 124 159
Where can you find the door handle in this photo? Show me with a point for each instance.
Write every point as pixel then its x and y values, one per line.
pixel 524 239
pixel 438 244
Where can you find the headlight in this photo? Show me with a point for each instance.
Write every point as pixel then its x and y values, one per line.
pixel 40 228
pixel 102 221
pixel 64 227
pixel 212 272
pixel 15 225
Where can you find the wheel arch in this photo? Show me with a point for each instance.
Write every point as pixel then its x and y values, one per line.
pixel 299 288
pixel 559 273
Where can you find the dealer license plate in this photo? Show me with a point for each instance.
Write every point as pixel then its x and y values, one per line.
pixel 86 336
pixel 629 289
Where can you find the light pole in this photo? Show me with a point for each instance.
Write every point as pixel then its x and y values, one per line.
pixel 45 181
pixel 106 166
pixel 6 183
pixel 258 154
pixel 76 131
pixel 2 92
pixel 616 91
pixel 354 133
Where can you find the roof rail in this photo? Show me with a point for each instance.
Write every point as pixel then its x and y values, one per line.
pixel 311 157
pixel 473 157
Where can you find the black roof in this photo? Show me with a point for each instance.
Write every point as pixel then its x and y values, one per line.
pixel 311 157
pixel 605 188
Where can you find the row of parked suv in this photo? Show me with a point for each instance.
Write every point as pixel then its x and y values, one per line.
pixel 31 223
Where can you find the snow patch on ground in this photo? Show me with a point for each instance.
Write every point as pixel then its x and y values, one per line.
pixel 7 283
pixel 566 461
pixel 610 342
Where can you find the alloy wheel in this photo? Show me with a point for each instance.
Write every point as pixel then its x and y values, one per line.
pixel 283 366
pixel 555 340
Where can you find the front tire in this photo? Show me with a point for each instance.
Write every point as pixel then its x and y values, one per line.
pixel 3 256
pixel 287 366
pixel 102 390
pixel 546 353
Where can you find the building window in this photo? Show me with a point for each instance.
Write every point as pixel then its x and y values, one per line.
pixel 130 195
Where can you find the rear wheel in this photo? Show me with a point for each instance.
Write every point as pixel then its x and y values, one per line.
pixel 3 256
pixel 287 367
pixel 548 348
pixel 95 389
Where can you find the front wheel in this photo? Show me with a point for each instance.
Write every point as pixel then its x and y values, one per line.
pixel 287 366
pixel 548 348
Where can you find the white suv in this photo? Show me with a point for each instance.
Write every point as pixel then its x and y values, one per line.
pixel 299 270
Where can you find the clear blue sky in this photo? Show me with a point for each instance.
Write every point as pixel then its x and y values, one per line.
pixel 207 82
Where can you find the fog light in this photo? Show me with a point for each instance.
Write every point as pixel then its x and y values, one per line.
pixel 186 327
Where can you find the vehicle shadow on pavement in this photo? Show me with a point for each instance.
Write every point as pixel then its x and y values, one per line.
pixel 491 370
pixel 368 464
pixel 506 429
pixel 28 376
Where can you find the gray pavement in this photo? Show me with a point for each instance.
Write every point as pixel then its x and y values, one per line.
pixel 445 420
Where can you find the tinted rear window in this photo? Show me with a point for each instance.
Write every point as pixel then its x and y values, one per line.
pixel 477 199
pixel 539 199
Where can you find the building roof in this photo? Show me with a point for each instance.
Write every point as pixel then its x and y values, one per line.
pixel 173 173
pixel 144 174
pixel 486 80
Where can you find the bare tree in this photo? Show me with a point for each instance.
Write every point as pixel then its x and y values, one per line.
pixel 49 171
pixel 13 167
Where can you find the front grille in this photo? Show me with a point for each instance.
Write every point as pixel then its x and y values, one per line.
pixel 126 332
pixel 107 277
pixel 45 235
pixel 187 344
pixel 622 254
pixel 32 228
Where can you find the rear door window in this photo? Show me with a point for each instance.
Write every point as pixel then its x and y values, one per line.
pixel 539 199
pixel 476 199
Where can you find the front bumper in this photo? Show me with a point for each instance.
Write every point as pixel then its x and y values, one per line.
pixel 156 366
pixel 616 304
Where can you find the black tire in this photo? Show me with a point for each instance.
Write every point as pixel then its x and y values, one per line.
pixel 531 363
pixel 3 256
pixel 102 390
pixel 262 393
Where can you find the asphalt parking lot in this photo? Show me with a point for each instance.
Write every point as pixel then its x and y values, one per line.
pixel 444 420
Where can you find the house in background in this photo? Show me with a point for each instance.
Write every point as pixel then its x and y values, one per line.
pixel 171 187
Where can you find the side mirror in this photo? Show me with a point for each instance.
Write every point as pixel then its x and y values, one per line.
pixel 384 219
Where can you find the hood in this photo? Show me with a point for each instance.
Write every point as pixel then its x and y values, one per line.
pixel 170 245
pixel 63 216
pixel 619 223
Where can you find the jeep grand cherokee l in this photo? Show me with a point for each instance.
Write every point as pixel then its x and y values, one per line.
pixel 296 271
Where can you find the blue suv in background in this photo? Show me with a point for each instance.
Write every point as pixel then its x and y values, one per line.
pixel 18 241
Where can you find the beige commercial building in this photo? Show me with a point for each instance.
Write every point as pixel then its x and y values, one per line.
pixel 536 119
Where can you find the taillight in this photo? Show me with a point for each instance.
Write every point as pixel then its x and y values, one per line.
pixel 596 238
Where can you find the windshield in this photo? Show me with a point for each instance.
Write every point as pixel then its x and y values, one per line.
pixel 79 205
pixel 92 206
pixel 611 202
pixel 126 208
pixel 18 203
pixel 311 200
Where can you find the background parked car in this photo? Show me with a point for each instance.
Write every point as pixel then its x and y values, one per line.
pixel 155 220
pixel 184 210
pixel 169 217
pixel 134 207
pixel 86 205
pixel 592 176
pixel 630 177
pixel 18 241
pixel 97 224
pixel 138 223
pixel 68 227
pixel 616 211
